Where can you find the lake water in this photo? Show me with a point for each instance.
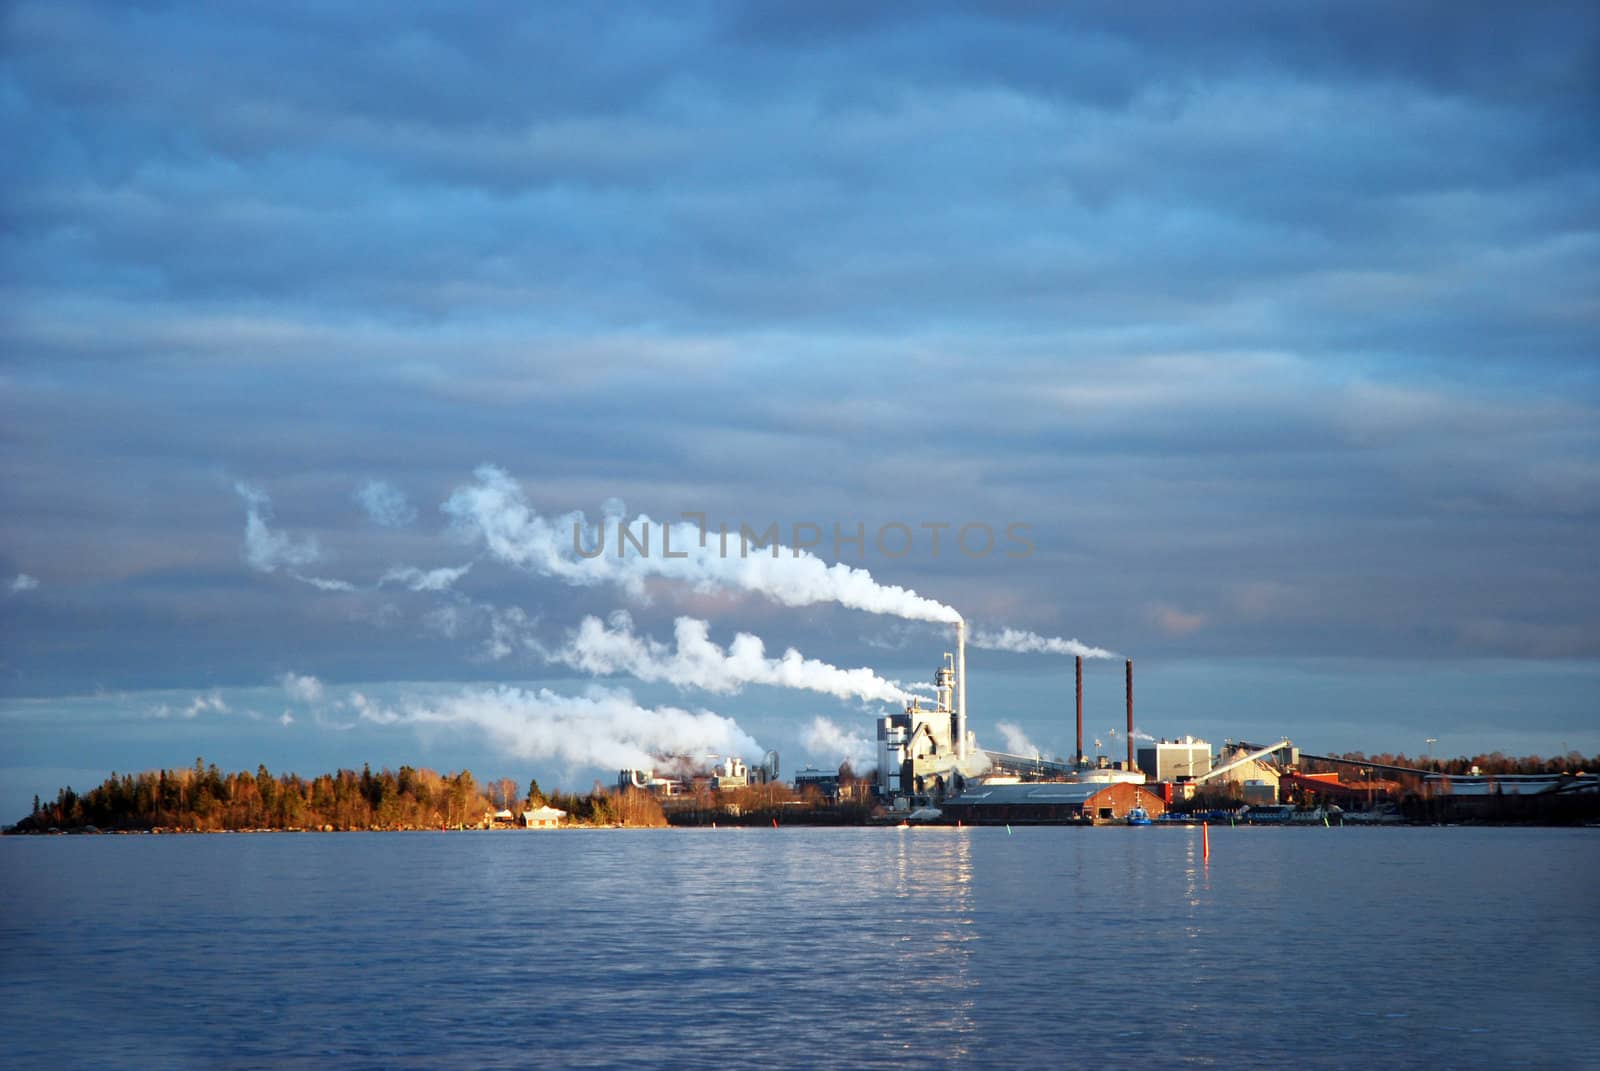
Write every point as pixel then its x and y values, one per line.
pixel 1049 947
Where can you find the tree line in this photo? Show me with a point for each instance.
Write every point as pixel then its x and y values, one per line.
pixel 204 798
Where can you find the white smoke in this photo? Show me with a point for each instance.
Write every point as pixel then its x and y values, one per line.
pixel 23 582
pixel 605 728
pixel 916 686
pixel 265 549
pixel 425 579
pixel 696 662
pixel 1024 642
pixel 302 688
pixel 322 583
pixel 1016 741
pixel 494 510
pixel 1140 734
pixel 826 740
pixel 385 504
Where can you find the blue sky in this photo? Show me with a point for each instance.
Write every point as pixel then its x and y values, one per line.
pixel 1277 327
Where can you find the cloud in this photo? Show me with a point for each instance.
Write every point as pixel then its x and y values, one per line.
pixel 1016 741
pixel 601 648
pixel 441 579
pixel 302 688
pixel 1013 639
pixel 824 739
pixel 23 582
pixel 265 549
pixel 604 729
pixel 322 583
pixel 494 511
pixel 1176 622
pixel 212 703
pixel 385 504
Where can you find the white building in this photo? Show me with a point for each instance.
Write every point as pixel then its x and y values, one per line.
pixel 1175 760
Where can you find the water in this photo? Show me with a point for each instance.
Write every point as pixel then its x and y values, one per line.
pixel 802 948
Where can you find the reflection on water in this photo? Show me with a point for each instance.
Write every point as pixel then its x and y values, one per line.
pixel 800 948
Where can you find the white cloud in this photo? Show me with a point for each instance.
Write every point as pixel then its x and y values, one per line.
pixel 301 688
pixel 23 582
pixel 386 504
pixel 322 583
pixel 825 740
pixel 266 549
pixel 1015 639
pixel 211 702
pixel 495 511
pixel 604 729
pixel 1016 741
pixel 441 579
pixel 695 661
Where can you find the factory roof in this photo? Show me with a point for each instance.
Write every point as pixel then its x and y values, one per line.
pixel 1056 792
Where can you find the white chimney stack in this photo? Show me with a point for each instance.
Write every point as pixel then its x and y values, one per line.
pixel 961 689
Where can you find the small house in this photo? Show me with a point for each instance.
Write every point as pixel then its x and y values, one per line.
pixel 543 817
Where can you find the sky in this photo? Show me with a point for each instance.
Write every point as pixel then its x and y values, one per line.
pixel 1275 329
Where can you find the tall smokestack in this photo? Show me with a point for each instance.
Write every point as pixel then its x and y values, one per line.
pixel 1130 713
pixel 961 689
pixel 1079 761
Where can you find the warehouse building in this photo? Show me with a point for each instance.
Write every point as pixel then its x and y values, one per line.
pixel 1039 802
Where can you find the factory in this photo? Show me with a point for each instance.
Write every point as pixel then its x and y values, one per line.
pixel 931 769
pixel 1175 760
pixel 685 776
pixel 930 764
pixel 926 752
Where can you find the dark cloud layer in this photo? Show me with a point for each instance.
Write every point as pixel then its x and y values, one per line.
pixel 1278 325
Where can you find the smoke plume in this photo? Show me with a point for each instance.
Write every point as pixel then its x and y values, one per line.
pixel 410 576
pixel 1016 741
pixel 598 647
pixel 605 728
pixel 385 504
pixel 1024 642
pixel 265 549
pixel 494 510
pixel 827 741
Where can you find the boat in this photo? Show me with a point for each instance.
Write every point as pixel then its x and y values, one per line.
pixel 1138 817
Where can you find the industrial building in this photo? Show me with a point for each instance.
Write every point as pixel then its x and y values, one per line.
pixel 1027 802
pixel 927 751
pixel 1175 760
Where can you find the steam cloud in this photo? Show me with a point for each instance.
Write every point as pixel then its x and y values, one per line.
pixel 386 504
pixel 598 648
pixel 605 728
pixel 425 579
pixel 1017 742
pixel 494 510
pixel 23 582
pixel 1024 642
pixel 825 739
pixel 267 550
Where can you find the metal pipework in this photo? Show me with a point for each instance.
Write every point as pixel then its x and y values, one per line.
pixel 1130 714
pixel 961 689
